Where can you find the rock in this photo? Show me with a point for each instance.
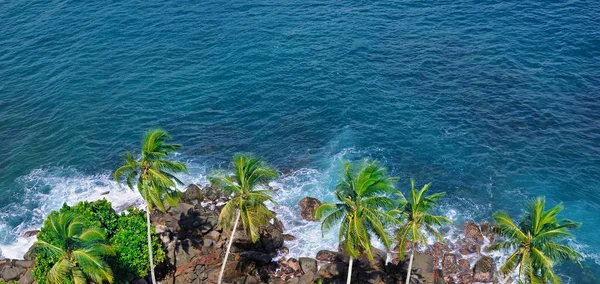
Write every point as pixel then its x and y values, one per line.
pixel 293 264
pixel 270 240
pixel 10 273
pixel 31 233
pixel 105 193
pixel 27 278
pixel 213 235
pixel 30 254
pixel 284 251
pixel 256 256
pixel 140 281
pixel 192 194
pixel 378 263
pixel 469 247
pixel 308 265
pixel 473 232
pixel 372 277
pixel 308 205
pixel 331 270
pixel 307 278
pixel 464 265
pixel 212 193
pixel 483 271
pixel 288 237
pixel 326 255
pixel 449 265
pixel 24 263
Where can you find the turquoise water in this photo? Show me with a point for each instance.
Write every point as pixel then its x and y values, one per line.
pixel 495 102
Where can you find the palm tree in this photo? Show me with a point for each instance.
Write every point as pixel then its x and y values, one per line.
pixel 154 175
pixel 246 187
pixel 360 208
pixel 416 213
pixel 535 242
pixel 79 250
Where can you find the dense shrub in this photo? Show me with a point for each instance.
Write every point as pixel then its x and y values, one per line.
pixel 126 233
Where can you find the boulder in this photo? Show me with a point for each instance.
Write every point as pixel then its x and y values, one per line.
pixel 288 237
pixel 469 247
pixel 473 232
pixel 27 278
pixel 10 273
pixel 483 271
pixel 308 265
pixel 294 264
pixel 326 255
pixel 192 195
pixel 308 205
pixel 372 277
pixel 270 240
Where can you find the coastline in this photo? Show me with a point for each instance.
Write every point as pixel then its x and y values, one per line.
pixel 458 261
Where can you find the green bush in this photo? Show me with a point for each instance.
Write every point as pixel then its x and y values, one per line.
pixel 126 233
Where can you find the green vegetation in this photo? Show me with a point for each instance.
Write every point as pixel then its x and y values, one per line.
pixel 360 207
pixel 416 217
pixel 77 250
pixel 154 176
pixel 534 243
pixel 124 232
pixel 248 196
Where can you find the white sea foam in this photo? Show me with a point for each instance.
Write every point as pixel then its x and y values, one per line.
pixel 47 190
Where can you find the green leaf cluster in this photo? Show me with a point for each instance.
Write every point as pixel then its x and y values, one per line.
pixel 125 232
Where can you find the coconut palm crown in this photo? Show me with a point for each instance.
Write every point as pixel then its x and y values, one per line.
pixel 361 207
pixel 78 249
pixel 153 173
pixel 416 215
pixel 246 185
pixel 535 242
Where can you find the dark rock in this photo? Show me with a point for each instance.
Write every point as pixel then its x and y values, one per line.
pixel 284 250
pixel 372 277
pixel 483 271
pixel 105 193
pixel 30 254
pixel 326 255
pixel 293 264
pixel 308 265
pixel 256 256
pixel 270 240
pixel 192 194
pixel 473 232
pixel 308 205
pixel 464 265
pixel 212 193
pixel 31 233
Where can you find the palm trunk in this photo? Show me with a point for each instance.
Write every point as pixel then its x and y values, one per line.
pixel 150 246
pixel 412 254
pixel 237 219
pixel 505 280
pixel 349 271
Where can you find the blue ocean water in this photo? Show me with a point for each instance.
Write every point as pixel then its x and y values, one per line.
pixel 495 102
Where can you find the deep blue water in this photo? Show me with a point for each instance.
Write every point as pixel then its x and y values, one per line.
pixel 495 102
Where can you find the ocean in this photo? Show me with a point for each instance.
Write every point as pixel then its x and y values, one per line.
pixel 494 102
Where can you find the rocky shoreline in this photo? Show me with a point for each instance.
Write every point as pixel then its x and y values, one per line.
pixel 195 246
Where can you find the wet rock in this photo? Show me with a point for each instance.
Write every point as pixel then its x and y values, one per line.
pixel 464 265
pixel 307 278
pixel 31 233
pixel 473 232
pixel 288 237
pixel 294 264
pixel 10 272
pixel 469 247
pixel 308 205
pixel 332 270
pixel 483 271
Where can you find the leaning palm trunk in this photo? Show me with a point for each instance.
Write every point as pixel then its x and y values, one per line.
pixel 237 219
pixel 349 271
pixel 150 246
pixel 412 254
